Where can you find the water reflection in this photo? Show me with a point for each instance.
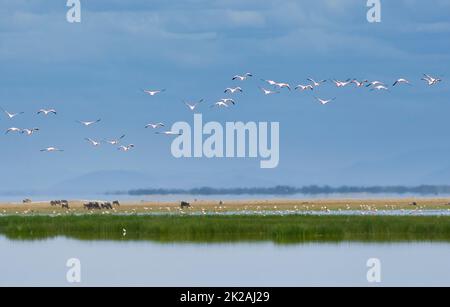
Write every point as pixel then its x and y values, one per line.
pixel 109 263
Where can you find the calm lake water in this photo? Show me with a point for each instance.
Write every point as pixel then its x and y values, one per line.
pixel 114 263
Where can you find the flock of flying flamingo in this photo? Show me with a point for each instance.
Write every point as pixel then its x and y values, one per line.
pixel 272 89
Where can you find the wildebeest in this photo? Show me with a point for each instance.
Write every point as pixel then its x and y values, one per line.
pixel 185 205
pixel 116 203
pixel 55 202
pixel 413 204
pixel 106 205
pixel 26 201
pixel 92 205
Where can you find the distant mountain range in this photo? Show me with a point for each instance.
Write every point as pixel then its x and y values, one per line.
pixel 288 190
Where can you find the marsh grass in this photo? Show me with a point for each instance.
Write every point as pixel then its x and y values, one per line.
pixel 206 229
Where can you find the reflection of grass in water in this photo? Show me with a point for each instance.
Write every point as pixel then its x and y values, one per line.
pixel 279 229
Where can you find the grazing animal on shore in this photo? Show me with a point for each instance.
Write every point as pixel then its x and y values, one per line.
pixel 185 205
pixel 27 201
pixel 116 203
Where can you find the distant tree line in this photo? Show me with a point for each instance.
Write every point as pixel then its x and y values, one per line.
pixel 289 190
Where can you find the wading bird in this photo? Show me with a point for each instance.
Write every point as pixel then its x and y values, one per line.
pixel 358 83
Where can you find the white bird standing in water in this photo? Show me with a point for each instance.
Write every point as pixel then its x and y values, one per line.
pixel 87 124
pixel 242 78
pixel 47 111
pixel 51 149
pixel 93 142
pixel 324 101
pixel 11 115
pixel 154 126
pixel 29 132
pixel 153 92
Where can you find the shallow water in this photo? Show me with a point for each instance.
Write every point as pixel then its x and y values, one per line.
pixel 113 263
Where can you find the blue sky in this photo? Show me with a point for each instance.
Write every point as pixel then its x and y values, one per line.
pixel 95 69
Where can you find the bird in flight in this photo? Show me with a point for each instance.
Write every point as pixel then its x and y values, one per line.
pixel 116 141
pixel 268 92
pixel 13 129
pixel 87 124
pixel 168 132
pixel 324 101
pixel 93 142
pixel 304 87
pixel 29 132
pixel 11 115
pixel 375 83
pixel 342 83
pixel 220 104
pixel 400 81
pixel 153 92
pixel 46 111
pixel 126 148
pixel 431 80
pixel 233 90
pixel 193 106
pixel 270 82
pixel 283 85
pixel 154 126
pixel 359 83
pixel 242 77
pixel 51 149
pixel 380 88
pixel 314 83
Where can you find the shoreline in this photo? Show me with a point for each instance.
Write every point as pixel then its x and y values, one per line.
pixel 235 206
